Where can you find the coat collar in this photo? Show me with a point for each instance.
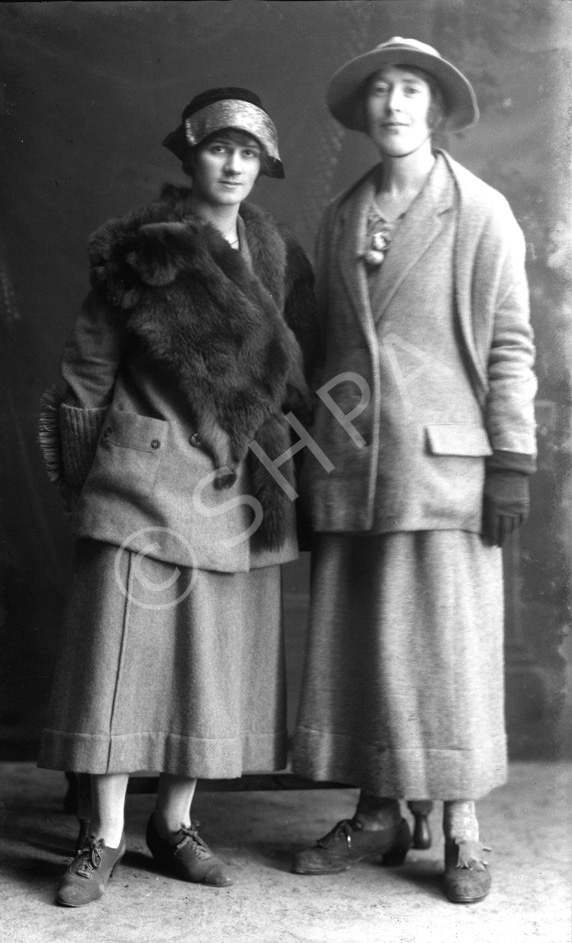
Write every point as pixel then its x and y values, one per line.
pixel 418 229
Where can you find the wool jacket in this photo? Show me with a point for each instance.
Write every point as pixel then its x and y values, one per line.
pixel 184 357
pixel 467 232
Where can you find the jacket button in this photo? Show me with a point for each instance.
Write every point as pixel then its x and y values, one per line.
pixel 194 440
pixel 107 431
pixel 155 444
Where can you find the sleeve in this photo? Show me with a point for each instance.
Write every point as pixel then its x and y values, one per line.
pixel 322 254
pixel 509 408
pixel 300 311
pixel 73 414
pixel 91 355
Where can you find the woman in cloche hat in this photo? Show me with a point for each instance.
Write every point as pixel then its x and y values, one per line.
pixel 425 410
pixel 189 349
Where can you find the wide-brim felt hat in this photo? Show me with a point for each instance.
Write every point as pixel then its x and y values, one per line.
pixel 228 107
pixel 345 90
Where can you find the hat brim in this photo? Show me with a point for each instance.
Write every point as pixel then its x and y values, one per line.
pixel 344 92
pixel 230 113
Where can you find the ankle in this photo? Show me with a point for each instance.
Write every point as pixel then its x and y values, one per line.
pixel 168 825
pixel 460 822
pixel 108 828
pixel 375 813
pixel 111 837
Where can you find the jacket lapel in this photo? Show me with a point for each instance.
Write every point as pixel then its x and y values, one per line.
pixel 416 232
pixel 353 225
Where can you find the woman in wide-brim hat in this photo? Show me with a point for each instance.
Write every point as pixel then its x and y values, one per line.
pixel 426 349
pixel 188 350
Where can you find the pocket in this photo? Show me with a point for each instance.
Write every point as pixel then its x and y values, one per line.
pixel 129 454
pixel 455 438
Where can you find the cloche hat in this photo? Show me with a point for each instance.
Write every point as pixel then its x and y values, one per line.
pixel 346 86
pixel 228 107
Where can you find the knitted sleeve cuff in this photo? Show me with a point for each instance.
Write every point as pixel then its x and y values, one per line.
pixel 49 432
pixel 79 434
pixel 502 460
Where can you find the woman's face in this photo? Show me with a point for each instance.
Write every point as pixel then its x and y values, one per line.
pixel 397 104
pixel 225 170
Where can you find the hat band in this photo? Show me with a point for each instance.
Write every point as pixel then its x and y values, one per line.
pixel 233 113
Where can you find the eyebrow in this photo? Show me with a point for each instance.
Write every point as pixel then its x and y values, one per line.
pixel 223 139
pixel 404 74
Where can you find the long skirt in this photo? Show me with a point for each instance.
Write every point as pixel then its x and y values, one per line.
pixel 167 669
pixel 403 689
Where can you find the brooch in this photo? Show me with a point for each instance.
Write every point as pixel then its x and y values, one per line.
pixel 378 239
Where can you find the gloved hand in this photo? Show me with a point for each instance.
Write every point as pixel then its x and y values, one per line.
pixel 506 494
pixel 505 506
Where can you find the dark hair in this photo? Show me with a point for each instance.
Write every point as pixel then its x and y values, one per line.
pixel 233 134
pixel 437 111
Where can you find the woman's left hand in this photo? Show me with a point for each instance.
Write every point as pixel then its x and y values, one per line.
pixel 506 505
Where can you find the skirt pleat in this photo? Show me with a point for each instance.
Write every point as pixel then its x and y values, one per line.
pixel 167 669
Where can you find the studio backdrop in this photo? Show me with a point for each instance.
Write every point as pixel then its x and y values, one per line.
pixel 89 91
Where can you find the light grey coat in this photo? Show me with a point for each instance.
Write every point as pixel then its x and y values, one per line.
pixel 495 346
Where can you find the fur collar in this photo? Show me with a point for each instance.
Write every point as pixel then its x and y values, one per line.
pixel 109 246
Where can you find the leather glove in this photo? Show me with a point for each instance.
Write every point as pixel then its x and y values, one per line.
pixel 506 500
pixel 505 506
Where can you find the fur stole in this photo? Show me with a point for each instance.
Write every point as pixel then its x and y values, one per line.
pixel 218 329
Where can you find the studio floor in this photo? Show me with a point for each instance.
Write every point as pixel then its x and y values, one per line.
pixel 527 823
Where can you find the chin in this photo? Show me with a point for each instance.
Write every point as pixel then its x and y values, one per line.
pixel 229 199
pixel 386 151
pixel 398 149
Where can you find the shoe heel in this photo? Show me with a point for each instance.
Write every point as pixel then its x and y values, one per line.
pixel 395 856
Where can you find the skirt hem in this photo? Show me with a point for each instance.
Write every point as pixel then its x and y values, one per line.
pixel 400 773
pixel 167 753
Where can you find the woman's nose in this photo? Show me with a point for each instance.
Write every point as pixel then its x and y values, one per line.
pixel 394 99
pixel 232 162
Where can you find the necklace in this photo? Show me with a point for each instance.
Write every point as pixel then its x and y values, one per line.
pixel 231 237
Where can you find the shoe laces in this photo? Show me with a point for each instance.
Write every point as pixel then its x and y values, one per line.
pixel 343 828
pixel 92 857
pixel 471 855
pixel 191 835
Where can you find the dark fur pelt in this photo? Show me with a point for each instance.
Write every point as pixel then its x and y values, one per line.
pixel 219 329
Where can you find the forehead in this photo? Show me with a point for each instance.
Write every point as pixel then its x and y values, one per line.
pixel 398 73
pixel 234 136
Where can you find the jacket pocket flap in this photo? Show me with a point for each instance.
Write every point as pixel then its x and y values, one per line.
pixel 456 439
pixel 134 432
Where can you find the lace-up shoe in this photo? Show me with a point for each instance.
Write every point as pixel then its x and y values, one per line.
pixel 467 878
pixel 186 855
pixel 349 842
pixel 86 877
